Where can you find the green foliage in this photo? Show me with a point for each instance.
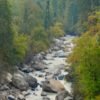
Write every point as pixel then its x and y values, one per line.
pixel 57 30
pixel 6 34
pixel 86 59
pixel 98 97
pixel 39 39
pixel 21 44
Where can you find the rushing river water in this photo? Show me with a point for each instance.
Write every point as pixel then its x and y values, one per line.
pixel 53 64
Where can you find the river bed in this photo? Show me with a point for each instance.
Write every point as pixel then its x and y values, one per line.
pixel 55 60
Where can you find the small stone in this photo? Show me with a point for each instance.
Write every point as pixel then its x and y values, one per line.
pixel 4 87
pixel 43 94
pixel 46 98
pixel 10 97
pixel 21 97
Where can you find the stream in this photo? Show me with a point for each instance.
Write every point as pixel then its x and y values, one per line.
pixel 55 60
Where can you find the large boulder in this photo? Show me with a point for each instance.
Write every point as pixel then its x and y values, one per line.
pixel 53 86
pixel 39 66
pixel 31 81
pixel 19 82
pixel 26 68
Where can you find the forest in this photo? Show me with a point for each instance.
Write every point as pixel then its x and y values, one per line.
pixel 32 30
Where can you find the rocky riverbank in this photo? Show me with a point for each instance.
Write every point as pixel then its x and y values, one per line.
pixel 44 77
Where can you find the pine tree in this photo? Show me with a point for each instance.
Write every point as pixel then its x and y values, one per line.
pixel 6 34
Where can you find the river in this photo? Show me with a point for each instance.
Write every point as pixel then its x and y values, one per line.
pixel 56 59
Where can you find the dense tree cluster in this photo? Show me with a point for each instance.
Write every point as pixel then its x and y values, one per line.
pixel 26 28
pixel 85 60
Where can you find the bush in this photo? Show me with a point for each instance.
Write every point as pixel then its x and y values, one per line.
pixel 21 44
pixel 57 30
pixel 98 97
pixel 39 39
pixel 86 60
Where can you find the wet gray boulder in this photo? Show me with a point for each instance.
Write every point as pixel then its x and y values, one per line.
pixel 31 81
pixel 61 77
pixel 26 69
pixel 11 97
pixel 39 66
pixel 19 82
pixel 60 53
pixel 43 93
pixel 4 87
pixel 38 57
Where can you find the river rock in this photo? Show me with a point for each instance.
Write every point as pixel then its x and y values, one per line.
pixel 56 48
pixel 9 77
pixel 4 87
pixel 60 53
pixel 38 57
pixel 46 98
pixel 11 97
pixel 53 86
pixel 25 93
pixel 61 77
pixel 43 93
pixel 49 57
pixel 27 69
pixel 61 95
pixel 57 42
pixel 39 66
pixel 21 97
pixel 19 82
pixel 31 81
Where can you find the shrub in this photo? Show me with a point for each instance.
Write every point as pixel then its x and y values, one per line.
pixel 86 60
pixel 39 39
pixel 57 30
pixel 21 43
